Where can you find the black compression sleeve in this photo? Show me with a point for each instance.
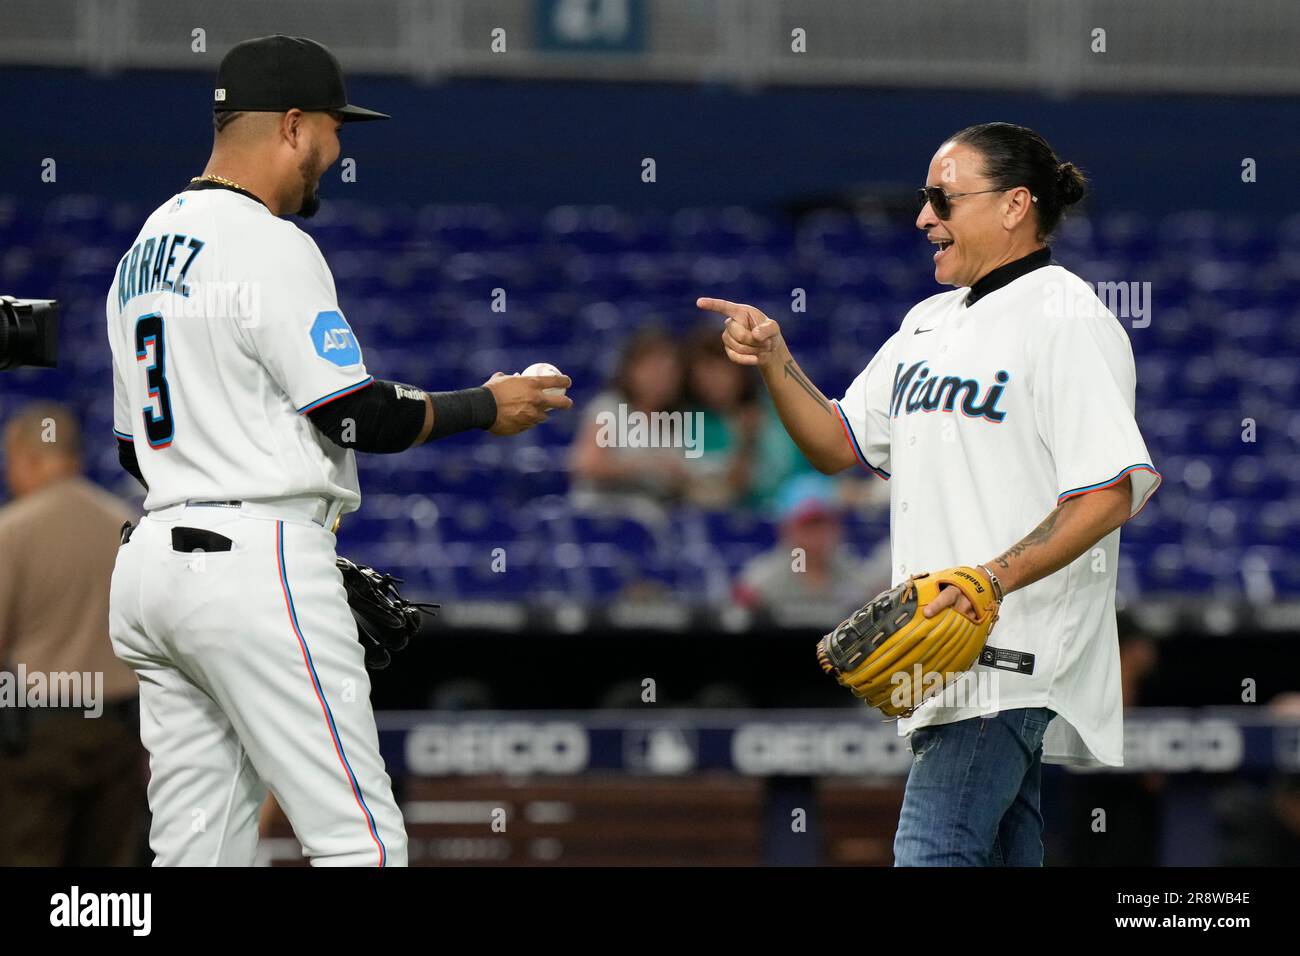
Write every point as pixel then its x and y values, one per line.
pixel 126 456
pixel 460 411
pixel 384 418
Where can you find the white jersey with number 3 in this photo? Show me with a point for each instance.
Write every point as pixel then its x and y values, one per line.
pixel 225 331
pixel 984 419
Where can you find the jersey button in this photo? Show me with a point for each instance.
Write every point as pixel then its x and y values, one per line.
pixel 904 505
pixel 912 440
pixel 902 569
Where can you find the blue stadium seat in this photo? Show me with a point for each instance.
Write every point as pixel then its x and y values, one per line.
pixel 1223 345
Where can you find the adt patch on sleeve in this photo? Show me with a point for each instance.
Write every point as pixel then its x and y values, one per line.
pixel 333 339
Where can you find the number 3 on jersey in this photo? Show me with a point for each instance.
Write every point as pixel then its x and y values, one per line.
pixel 157 416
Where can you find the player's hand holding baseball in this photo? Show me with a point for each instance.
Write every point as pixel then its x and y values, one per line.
pixel 523 401
pixel 749 336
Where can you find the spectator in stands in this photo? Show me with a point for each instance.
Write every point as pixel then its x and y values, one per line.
pixel 1260 825
pixel 613 467
pixel 778 460
pixel 71 776
pixel 810 573
pixel 725 396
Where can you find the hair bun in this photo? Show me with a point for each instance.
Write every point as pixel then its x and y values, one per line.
pixel 1070 183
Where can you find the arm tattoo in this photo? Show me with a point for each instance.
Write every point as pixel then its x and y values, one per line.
pixel 791 371
pixel 1037 536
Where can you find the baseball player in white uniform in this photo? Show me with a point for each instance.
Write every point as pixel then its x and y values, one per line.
pixel 1002 415
pixel 240 399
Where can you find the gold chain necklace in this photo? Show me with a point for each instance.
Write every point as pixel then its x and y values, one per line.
pixel 212 177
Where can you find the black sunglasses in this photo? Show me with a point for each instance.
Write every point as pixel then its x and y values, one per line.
pixel 941 202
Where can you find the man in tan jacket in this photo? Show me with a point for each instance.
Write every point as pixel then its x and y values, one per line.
pixel 72 769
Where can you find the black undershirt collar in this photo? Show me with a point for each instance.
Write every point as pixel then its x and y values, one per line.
pixel 1005 275
pixel 213 184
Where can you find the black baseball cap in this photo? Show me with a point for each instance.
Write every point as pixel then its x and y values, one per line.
pixel 277 73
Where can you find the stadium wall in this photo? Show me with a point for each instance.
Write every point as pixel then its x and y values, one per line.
pixel 542 144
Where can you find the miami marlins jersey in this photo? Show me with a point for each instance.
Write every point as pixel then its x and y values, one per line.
pixel 984 418
pixel 226 331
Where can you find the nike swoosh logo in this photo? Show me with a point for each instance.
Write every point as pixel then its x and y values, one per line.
pixel 919 331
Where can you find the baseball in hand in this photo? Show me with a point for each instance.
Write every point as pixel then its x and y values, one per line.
pixel 545 368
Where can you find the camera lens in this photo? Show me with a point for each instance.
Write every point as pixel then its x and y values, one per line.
pixel 28 332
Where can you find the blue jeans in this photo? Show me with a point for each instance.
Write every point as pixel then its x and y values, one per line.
pixel 972 792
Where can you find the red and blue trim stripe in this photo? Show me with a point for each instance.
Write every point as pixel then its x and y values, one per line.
pixel 320 696
pixel 853 442
pixel 326 399
pixel 123 436
pixel 1085 489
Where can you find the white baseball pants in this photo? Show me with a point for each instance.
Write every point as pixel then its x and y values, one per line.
pixel 251 677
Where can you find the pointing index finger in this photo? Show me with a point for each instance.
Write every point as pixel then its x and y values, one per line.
pixel 731 310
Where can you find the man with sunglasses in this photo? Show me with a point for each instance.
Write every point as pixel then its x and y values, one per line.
pixel 1002 413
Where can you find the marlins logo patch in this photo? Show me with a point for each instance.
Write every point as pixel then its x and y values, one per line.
pixel 333 339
